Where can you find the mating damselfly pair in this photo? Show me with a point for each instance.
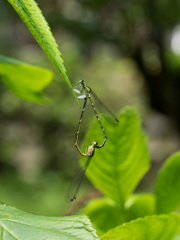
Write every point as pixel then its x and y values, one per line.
pixel 88 94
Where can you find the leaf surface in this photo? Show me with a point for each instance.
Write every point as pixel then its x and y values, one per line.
pixel 117 168
pixel 26 81
pixel 140 205
pixel 161 227
pixel 167 189
pixel 99 212
pixel 39 28
pixel 15 224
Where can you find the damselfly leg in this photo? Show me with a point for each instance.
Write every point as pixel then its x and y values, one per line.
pixel 79 126
pixel 102 108
pixel 111 117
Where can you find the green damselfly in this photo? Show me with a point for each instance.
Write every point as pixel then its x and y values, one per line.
pixel 109 115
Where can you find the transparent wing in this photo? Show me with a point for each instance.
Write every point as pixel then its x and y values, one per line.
pixel 77 90
pixel 76 183
pixel 82 96
pixel 107 114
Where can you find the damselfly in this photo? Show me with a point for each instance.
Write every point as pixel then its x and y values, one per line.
pixel 76 183
pixel 109 116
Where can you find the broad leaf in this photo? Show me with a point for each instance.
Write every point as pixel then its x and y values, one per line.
pixel 104 214
pixel 99 210
pixel 167 188
pixel 35 21
pixel 26 81
pixel 140 205
pixel 15 224
pixel 161 227
pixel 117 168
pixel 177 237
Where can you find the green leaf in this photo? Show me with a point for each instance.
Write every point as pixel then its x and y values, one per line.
pixel 177 237
pixel 140 205
pixel 35 21
pixel 117 168
pixel 26 81
pixel 15 224
pixel 161 227
pixel 167 189
pixel 99 211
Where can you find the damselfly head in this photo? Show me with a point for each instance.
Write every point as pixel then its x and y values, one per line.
pixel 94 143
pixel 81 81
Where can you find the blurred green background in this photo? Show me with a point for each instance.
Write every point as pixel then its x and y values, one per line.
pixel 127 51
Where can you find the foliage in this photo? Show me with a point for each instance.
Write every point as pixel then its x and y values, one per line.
pixel 161 227
pixel 168 185
pixel 116 170
pixel 26 81
pixel 15 224
pixel 35 21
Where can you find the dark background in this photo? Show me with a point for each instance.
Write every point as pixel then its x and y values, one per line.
pixel 127 51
